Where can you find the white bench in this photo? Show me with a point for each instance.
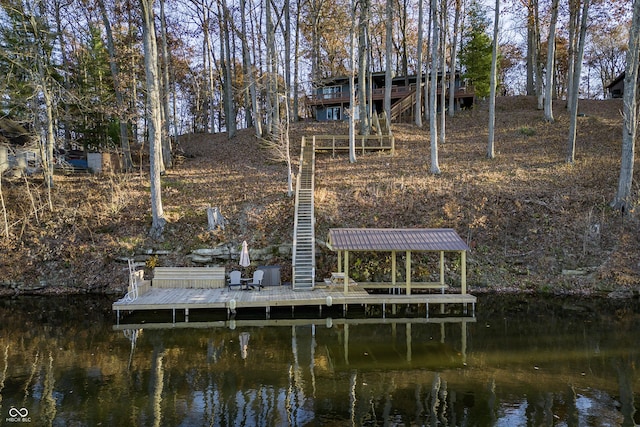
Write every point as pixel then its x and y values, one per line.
pixel 188 277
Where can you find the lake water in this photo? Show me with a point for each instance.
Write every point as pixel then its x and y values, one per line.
pixel 519 362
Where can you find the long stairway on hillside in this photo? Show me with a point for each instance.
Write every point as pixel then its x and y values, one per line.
pixel 304 254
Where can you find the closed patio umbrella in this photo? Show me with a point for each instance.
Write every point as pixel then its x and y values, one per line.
pixel 244 255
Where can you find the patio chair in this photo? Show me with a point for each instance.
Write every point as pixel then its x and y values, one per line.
pixel 234 279
pixel 257 280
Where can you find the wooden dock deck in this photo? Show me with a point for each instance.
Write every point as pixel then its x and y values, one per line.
pixel 276 296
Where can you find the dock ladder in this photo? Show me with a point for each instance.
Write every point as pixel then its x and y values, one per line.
pixel 304 253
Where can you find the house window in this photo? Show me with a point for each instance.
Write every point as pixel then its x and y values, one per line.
pixel 331 92
pixel 333 113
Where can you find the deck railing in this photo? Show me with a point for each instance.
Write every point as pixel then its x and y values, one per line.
pixel 335 143
pixel 378 93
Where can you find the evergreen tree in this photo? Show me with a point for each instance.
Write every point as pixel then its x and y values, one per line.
pixel 475 55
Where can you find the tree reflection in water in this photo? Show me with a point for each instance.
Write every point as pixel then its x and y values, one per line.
pixel 520 362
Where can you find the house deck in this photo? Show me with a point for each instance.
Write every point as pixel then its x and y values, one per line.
pixel 275 296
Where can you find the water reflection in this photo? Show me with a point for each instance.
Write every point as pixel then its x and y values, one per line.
pixel 520 362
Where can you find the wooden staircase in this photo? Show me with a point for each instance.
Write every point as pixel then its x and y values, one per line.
pixel 304 253
pixel 405 108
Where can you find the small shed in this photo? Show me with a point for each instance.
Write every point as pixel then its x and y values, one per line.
pixel 407 240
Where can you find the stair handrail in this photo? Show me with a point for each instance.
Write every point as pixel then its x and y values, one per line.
pixel 295 215
pixel 304 153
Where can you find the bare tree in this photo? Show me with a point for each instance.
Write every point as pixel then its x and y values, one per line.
pixel 154 117
pixel 577 69
pixel 454 54
pixel 226 59
pixel 388 72
pixel 433 101
pixel 248 70
pixel 166 139
pixel 115 75
pixel 418 112
pixel 443 64
pixel 493 84
pixel 574 19
pixel 352 86
pixel 551 52
pixel 363 66
pixel 630 114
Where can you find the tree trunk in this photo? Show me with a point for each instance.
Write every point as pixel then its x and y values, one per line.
pixel 66 68
pixel 574 19
pixel 115 75
pixel 573 108
pixel 246 57
pixel 622 200
pixel 551 49
pixel 246 68
pixel 158 220
pixel 454 54
pixel 229 107
pixel 167 159
pixel 418 111
pixel 352 86
pixel 538 65
pixel 443 64
pixel 387 75
pixel 273 113
pixel 287 56
pixel 433 108
pixel 531 46
pixel 363 66
pixel 296 65
pixel 494 75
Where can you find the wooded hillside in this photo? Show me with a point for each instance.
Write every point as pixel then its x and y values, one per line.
pixel 533 221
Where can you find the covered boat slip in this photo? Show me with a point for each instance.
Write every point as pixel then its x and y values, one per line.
pixel 394 240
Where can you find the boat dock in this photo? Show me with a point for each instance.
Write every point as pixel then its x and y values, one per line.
pixel 277 296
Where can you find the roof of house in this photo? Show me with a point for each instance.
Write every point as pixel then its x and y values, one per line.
pixel 616 80
pixel 395 239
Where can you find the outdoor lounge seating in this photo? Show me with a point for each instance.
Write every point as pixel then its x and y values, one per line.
pixel 256 282
pixel 235 279
pixel 188 277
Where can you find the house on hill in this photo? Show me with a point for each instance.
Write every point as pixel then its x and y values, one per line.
pixel 615 89
pixel 331 98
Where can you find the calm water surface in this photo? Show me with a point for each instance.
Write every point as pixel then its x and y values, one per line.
pixel 518 362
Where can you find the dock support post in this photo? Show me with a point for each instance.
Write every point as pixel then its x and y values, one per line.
pixel 463 271
pixel 393 271
pixel 186 315
pixel 268 310
pixel 346 272
pixel 174 314
pixel 117 317
pixel 407 268
pixel 442 270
